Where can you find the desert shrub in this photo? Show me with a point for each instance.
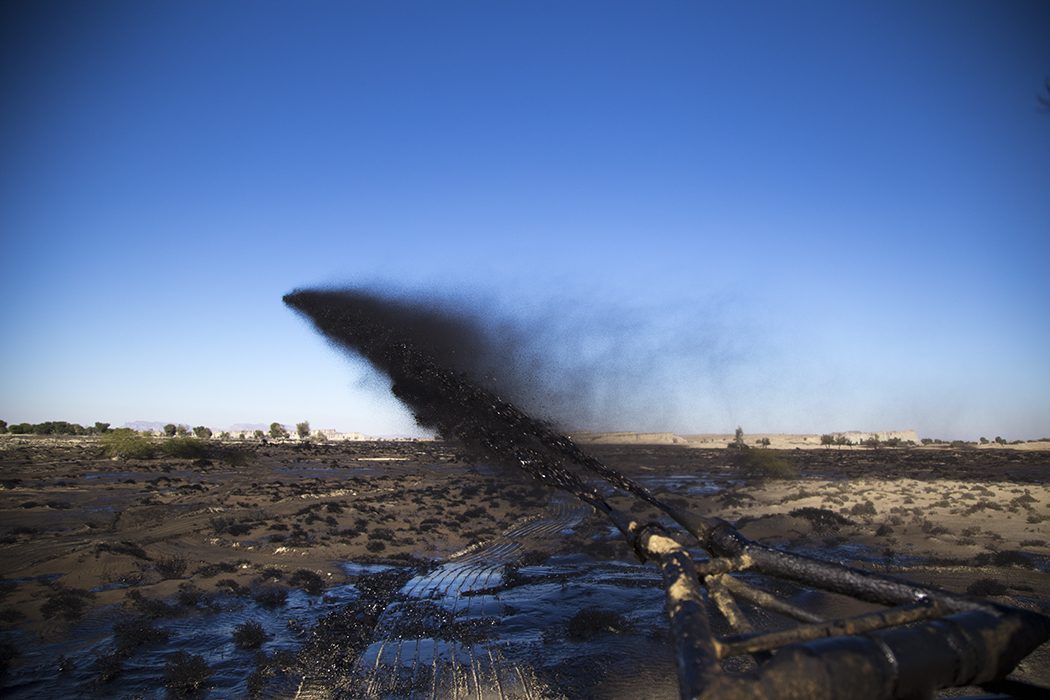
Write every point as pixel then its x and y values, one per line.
pixel 985 587
pixel 884 530
pixel 126 444
pixel 7 586
pixel 249 635
pixel 930 529
pixel 108 666
pixel 223 524
pixel 309 581
pixel 238 529
pixel 8 653
pixel 333 507
pixel 270 573
pixel 821 519
pixel 233 587
pixel 11 615
pixel 66 604
pixel 131 634
pixel 190 595
pixel 1013 558
pixel 865 508
pixel 210 570
pixel 593 622
pixel 764 463
pixel 171 567
pixel 1033 543
pixel 375 546
pixel 123 548
pixel 152 608
pixel 185 448
pixel 185 674
pixel 271 597
pixel 381 533
pixel 234 457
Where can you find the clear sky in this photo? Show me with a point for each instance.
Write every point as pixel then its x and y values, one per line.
pixel 791 217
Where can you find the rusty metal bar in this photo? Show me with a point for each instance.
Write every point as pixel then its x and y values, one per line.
pixel 696 657
pixel 976 642
pixel 769 602
pixel 764 641
pixel 726 605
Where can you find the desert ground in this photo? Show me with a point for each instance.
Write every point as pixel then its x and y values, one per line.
pixel 105 562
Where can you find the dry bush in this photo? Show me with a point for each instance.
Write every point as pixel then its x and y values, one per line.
pixel 764 464
pixel 185 674
pixel 249 635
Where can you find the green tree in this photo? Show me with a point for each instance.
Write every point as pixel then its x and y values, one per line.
pixel 259 435
pixel 101 428
pixel 3 427
pixel 827 440
pixel 21 429
pixel 303 429
pixel 999 440
pixel 182 430
pixel 277 431
pixel 738 439
pixel 224 435
pixel 873 441
pixel 202 433
pixel 169 430
pixel 842 441
pixel 126 444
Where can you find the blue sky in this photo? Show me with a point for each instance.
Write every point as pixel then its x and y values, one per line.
pixel 803 217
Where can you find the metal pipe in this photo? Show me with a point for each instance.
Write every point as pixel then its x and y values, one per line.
pixel 769 602
pixel 749 643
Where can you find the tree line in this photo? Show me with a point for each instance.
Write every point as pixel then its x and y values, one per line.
pixel 61 427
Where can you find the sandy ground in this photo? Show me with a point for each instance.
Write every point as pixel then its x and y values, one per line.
pixel 79 531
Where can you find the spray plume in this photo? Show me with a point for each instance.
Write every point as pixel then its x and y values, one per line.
pixel 428 353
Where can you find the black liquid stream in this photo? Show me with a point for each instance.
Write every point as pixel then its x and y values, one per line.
pixel 417 346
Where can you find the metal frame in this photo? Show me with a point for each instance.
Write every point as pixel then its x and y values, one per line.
pixel 926 640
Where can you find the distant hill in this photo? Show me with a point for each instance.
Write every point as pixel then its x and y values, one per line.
pixel 250 427
pixel 153 425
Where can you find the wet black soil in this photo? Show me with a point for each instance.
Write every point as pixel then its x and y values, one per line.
pixel 396 569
